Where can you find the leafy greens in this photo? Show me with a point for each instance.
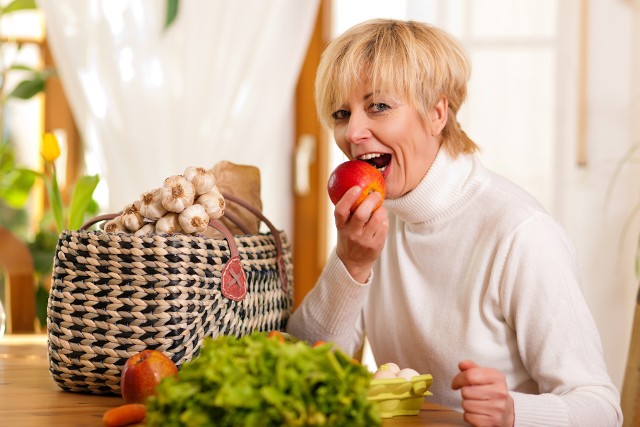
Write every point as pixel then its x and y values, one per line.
pixel 255 381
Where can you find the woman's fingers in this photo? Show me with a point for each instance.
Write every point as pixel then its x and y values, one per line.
pixel 361 234
pixel 485 395
pixel 342 210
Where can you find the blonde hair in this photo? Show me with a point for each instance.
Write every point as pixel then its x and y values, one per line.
pixel 423 62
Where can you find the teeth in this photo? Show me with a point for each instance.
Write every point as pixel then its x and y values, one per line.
pixel 369 156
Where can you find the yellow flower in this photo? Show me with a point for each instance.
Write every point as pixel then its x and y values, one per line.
pixel 50 149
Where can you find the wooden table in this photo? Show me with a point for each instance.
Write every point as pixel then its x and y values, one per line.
pixel 29 397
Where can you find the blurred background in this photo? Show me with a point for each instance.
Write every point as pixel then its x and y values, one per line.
pixel 137 90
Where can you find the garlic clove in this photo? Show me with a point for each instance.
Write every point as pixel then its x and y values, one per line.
pixel 115 225
pixel 213 203
pixel 177 193
pixel 147 229
pixel 151 205
pixel 194 219
pixel 132 219
pixel 202 179
pixel 168 224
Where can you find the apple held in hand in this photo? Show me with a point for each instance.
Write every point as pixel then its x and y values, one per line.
pixel 142 372
pixel 355 173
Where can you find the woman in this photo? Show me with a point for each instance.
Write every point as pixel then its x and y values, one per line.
pixel 460 273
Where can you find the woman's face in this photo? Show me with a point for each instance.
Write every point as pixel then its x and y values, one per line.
pixel 386 131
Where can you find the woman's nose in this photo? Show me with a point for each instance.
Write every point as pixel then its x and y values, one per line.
pixel 357 129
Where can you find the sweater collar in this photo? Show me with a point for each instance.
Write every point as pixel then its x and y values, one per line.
pixel 448 183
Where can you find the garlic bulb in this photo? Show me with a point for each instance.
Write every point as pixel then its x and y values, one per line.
pixel 131 216
pixel 202 180
pixel 213 203
pixel 115 225
pixel 168 224
pixel 194 219
pixel 177 193
pixel 151 205
pixel 147 229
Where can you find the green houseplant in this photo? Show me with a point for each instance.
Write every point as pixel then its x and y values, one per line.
pixel 57 217
pixel 17 182
pixel 15 187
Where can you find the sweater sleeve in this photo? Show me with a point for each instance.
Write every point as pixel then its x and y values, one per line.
pixel 557 338
pixel 331 311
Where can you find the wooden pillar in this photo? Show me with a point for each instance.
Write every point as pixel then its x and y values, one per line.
pixel 309 246
pixel 16 261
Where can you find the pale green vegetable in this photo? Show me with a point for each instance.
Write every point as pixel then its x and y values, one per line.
pixel 255 381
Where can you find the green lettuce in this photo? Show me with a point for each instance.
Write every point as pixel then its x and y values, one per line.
pixel 256 381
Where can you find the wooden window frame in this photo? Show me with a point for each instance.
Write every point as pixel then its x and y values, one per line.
pixel 309 210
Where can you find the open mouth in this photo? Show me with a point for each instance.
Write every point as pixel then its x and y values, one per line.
pixel 378 160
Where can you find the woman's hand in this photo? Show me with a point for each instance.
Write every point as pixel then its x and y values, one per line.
pixel 361 234
pixel 485 396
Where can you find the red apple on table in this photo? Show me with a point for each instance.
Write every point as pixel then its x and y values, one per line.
pixel 355 173
pixel 142 372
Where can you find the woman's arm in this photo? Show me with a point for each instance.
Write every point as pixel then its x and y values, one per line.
pixel 331 312
pixel 558 340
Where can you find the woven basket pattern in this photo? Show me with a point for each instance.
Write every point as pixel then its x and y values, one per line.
pixel 114 295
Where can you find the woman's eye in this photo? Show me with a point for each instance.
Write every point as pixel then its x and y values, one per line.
pixel 379 106
pixel 340 114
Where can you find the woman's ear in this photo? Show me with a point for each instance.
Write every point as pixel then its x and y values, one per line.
pixel 439 115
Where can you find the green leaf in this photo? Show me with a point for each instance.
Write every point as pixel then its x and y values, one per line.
pixel 81 200
pixel 16 5
pixel 28 88
pixel 172 12
pixel 255 381
pixel 93 209
pixel 55 199
pixel 42 299
pixel 7 156
pixel 15 220
pixel 22 67
pixel 15 187
pixel 43 248
pixel 35 72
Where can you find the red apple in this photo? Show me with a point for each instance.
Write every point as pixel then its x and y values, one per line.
pixel 355 173
pixel 142 372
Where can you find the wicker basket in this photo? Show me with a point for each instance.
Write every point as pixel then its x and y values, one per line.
pixel 114 295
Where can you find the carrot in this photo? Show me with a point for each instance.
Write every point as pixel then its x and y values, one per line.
pixel 276 335
pixel 124 415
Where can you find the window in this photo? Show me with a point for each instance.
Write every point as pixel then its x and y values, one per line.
pixel 22 35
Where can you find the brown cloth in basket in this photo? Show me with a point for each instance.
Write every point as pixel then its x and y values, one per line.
pixel 242 181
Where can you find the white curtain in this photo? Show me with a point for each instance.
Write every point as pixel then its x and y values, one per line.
pixel 217 85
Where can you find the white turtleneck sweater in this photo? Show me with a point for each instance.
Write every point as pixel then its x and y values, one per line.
pixel 473 268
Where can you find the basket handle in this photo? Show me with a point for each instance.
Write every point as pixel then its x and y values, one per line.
pixel 274 232
pixel 234 280
pixel 97 219
pixel 236 221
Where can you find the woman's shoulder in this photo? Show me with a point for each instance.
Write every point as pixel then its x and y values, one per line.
pixel 505 196
pixel 507 206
